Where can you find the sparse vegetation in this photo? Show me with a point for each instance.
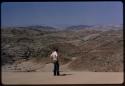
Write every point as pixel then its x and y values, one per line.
pixel 95 50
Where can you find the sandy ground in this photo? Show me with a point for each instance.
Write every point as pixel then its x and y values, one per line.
pixel 65 78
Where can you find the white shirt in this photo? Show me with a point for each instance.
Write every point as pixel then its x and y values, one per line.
pixel 54 56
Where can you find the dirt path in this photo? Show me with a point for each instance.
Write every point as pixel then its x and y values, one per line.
pixel 65 78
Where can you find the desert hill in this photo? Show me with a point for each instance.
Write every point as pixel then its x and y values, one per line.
pixel 93 49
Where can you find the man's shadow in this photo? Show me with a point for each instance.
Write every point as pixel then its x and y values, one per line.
pixel 64 74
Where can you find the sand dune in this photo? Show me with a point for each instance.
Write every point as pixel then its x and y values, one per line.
pixel 65 78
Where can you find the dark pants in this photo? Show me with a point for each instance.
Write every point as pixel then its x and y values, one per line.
pixel 56 68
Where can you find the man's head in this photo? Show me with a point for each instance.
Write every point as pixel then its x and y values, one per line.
pixel 56 50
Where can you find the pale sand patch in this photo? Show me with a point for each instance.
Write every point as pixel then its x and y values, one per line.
pixel 66 78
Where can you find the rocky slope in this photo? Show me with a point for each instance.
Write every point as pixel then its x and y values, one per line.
pixel 93 49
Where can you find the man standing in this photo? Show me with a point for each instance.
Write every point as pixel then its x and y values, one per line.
pixel 55 59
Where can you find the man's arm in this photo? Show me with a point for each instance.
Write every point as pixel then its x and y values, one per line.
pixel 50 58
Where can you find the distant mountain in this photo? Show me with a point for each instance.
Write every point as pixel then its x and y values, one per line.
pixel 62 26
pixel 70 27
pixel 78 27
pixel 38 27
pixel 107 27
pixel 95 27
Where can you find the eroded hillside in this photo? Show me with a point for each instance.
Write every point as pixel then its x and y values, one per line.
pixel 93 50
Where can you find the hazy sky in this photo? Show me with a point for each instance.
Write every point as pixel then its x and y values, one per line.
pixel 61 13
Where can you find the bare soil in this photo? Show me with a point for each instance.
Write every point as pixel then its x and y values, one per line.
pixel 64 78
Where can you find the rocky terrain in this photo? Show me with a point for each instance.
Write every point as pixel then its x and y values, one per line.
pixel 87 48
